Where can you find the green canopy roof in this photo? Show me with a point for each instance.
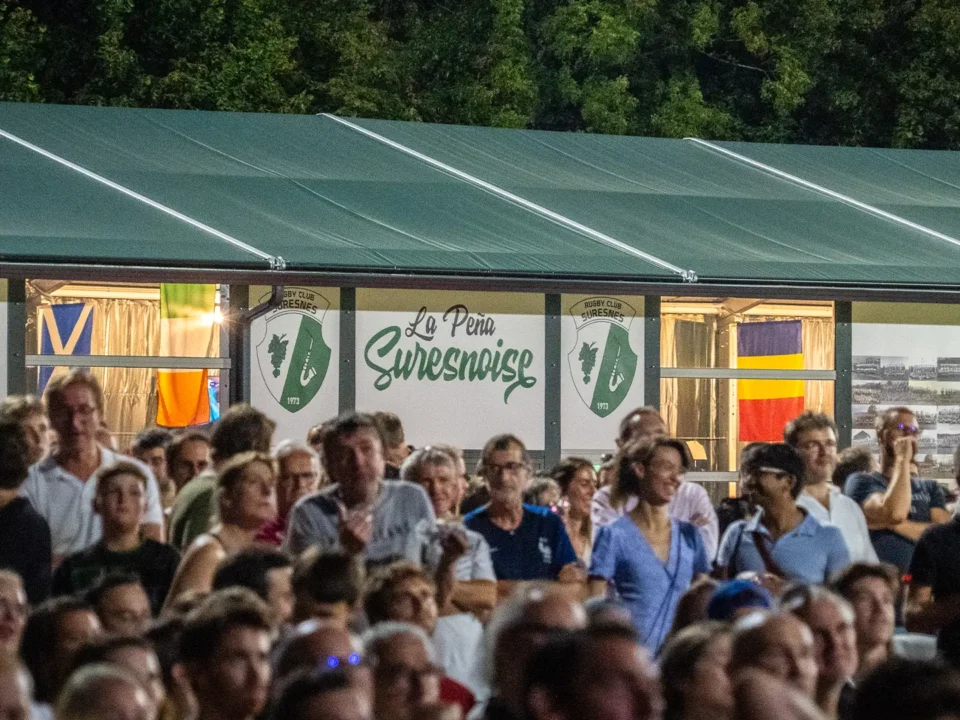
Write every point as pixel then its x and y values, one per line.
pixel 118 190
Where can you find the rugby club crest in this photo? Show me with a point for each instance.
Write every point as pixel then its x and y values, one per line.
pixel 292 357
pixel 602 363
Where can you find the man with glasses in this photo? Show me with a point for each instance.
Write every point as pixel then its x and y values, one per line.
pixel 897 504
pixel 298 475
pixel 782 543
pixel 814 436
pixel 61 487
pixel 526 542
pixel 406 678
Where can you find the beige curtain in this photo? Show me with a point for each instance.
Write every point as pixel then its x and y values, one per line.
pixel 668 358
pixel 818 354
pixel 125 327
pixel 695 347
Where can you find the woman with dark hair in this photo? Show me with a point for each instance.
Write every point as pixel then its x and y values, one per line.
pixel 650 558
pixel 693 673
pixel 578 482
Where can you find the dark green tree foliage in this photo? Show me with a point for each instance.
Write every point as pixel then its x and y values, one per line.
pixel 858 72
pixel 21 54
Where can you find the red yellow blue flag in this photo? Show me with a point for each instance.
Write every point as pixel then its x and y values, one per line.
pixel 767 405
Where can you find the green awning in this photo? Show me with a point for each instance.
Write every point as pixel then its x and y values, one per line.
pixel 125 188
pixel 301 188
pixel 699 209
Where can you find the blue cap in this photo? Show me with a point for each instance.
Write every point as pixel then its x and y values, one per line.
pixel 734 595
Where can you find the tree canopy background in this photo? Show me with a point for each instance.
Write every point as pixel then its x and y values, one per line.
pixel 853 72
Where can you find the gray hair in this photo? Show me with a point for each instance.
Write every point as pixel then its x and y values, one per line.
pixel 20 407
pixel 377 636
pixel 288 448
pixel 83 693
pixel 506 617
pixel 420 458
pixel 799 600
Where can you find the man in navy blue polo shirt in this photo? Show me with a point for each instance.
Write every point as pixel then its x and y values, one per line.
pixel 526 542
pixel 897 504
pixel 781 540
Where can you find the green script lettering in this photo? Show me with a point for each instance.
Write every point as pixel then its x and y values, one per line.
pixel 393 337
pixel 448 365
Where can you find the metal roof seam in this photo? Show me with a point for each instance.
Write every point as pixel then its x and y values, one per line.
pixel 596 235
pixel 846 199
pixel 275 263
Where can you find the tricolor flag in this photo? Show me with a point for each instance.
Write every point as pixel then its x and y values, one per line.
pixel 186 330
pixel 64 330
pixel 767 405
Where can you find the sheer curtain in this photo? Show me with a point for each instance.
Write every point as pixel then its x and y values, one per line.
pixel 818 352
pixel 688 341
pixel 125 327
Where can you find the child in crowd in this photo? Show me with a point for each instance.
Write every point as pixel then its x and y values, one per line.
pixel 120 502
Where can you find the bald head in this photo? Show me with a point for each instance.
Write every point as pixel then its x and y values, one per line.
pixel 778 644
pixel 518 630
pixel 643 422
pixel 104 692
pixel 312 644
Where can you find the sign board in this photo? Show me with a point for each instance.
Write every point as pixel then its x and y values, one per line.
pixel 602 369
pixel 456 367
pixel 914 363
pixel 294 355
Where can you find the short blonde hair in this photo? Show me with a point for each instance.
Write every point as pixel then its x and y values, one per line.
pixel 20 407
pixel 233 471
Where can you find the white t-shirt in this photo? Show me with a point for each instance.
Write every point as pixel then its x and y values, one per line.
pixel 66 502
pixel 457 640
pixel 848 517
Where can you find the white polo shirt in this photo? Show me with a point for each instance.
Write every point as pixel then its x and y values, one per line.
pixel 66 502
pixel 848 517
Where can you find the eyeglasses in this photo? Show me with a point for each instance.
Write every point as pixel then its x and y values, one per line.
pixel 335 661
pixel 405 675
pixel 912 429
pixel 510 467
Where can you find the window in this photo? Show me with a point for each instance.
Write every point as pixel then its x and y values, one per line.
pixel 118 328
pixel 733 370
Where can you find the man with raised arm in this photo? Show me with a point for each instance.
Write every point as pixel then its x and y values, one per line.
pixel 897 504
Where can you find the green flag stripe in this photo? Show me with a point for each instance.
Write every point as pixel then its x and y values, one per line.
pixel 186 301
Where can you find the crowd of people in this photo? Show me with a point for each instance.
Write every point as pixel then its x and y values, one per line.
pixel 237 576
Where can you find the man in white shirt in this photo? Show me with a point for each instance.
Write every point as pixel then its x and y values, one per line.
pixel 690 503
pixel 814 436
pixel 61 487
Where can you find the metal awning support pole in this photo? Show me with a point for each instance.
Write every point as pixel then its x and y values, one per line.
pixel 240 339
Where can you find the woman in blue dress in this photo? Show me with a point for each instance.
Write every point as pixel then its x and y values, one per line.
pixel 647 557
